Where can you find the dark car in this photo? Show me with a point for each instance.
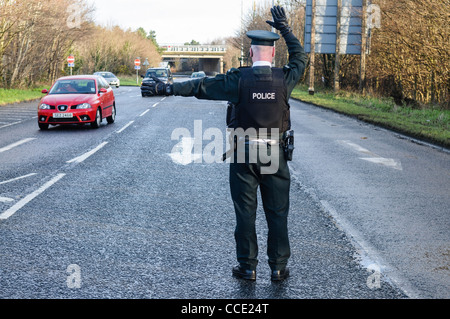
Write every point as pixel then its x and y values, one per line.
pixel 148 83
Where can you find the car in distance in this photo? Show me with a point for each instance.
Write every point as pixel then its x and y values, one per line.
pixel 79 99
pixel 198 75
pixel 148 82
pixel 110 78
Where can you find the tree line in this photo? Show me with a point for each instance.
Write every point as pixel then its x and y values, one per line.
pixel 409 56
pixel 37 36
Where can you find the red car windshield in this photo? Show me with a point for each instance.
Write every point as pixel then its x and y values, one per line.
pixel 74 87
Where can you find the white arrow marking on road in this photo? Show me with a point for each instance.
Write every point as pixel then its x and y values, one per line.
pixel 182 152
pixel 389 162
pixel 11 146
pixel 11 211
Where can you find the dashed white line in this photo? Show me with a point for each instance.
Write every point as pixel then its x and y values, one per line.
pixel 83 157
pixel 11 146
pixel 11 211
pixel 5 200
pixel 17 178
pixel 144 113
pixel 125 127
pixel 155 105
pixel 11 124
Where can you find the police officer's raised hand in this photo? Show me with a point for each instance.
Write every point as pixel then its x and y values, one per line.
pixel 280 21
pixel 161 88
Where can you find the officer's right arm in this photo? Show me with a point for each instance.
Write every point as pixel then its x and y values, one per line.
pixel 295 69
pixel 223 87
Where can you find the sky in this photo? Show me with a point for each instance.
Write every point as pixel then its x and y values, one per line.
pixel 175 21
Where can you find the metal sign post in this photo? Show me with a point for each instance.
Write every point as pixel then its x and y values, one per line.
pixel 146 63
pixel 362 76
pixel 137 66
pixel 337 62
pixel 71 63
pixel 312 48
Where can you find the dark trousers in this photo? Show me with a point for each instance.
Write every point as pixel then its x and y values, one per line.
pixel 245 178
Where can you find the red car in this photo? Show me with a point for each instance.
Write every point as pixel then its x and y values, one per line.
pixel 77 99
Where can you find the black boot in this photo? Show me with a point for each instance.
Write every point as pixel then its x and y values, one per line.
pixel 242 273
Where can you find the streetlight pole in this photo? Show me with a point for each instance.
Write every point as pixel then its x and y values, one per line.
pixel 242 34
pixel 274 45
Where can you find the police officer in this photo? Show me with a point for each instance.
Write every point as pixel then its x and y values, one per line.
pixel 259 97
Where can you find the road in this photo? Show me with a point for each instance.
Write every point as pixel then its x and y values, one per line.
pixel 123 212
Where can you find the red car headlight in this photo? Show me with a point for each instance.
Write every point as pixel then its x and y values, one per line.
pixel 44 106
pixel 84 106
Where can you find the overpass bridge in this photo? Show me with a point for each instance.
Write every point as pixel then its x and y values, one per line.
pixel 210 56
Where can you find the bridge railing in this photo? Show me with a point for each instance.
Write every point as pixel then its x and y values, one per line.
pixel 194 48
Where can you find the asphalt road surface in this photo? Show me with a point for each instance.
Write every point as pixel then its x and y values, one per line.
pixel 132 210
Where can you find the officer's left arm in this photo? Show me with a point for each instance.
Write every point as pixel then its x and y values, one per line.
pixel 223 87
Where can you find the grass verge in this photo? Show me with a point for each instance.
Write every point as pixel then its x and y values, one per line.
pixel 9 96
pixel 130 81
pixel 428 124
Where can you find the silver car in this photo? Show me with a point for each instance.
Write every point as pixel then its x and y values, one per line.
pixel 110 78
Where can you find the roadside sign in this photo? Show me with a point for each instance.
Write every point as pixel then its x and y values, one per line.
pixel 326 15
pixel 137 67
pixel 71 62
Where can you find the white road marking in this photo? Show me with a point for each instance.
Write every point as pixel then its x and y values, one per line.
pixel 368 254
pixel 388 162
pixel 83 157
pixel 11 124
pixel 11 211
pixel 125 127
pixel 182 152
pixel 144 113
pixel 6 200
pixel 155 105
pixel 17 178
pixel 358 148
pixel 11 146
